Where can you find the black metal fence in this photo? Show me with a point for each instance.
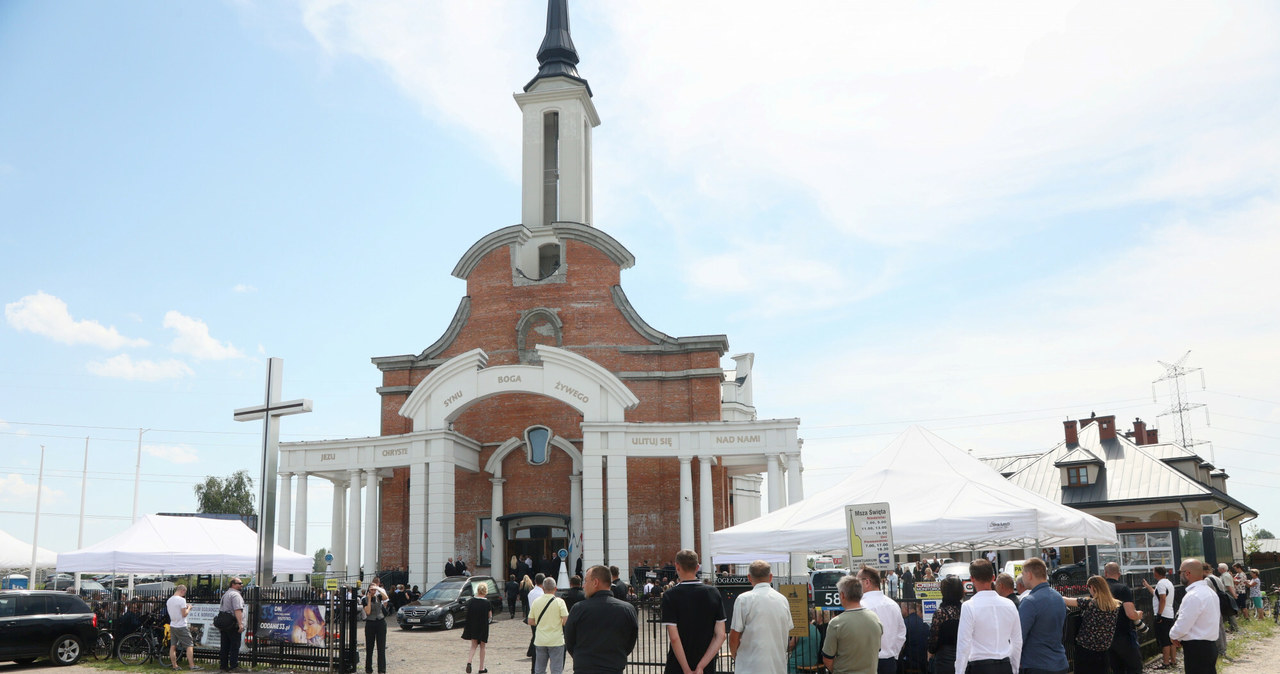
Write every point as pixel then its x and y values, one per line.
pixel 299 628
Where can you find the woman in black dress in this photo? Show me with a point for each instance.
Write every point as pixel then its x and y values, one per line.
pixel 479 612
pixel 525 586
pixel 945 627
pixel 1098 618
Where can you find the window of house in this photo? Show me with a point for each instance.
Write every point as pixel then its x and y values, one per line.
pixel 1077 476
pixel 1141 552
pixel 548 259
pixel 536 439
pixel 550 167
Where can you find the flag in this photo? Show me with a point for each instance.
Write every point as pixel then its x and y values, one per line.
pixel 484 542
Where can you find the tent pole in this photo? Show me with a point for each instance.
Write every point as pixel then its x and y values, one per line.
pixel 1088 563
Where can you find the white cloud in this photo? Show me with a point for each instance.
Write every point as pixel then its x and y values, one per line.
pixel 173 453
pixel 46 315
pixel 124 367
pixel 15 489
pixel 193 339
pixel 244 288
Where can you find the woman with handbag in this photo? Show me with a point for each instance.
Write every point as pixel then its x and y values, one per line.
pixel 1097 625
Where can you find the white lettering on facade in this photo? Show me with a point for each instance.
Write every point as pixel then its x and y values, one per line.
pixel 453 398
pixel 572 392
pixel 328 457
pixel 737 439
pixel 656 442
pixel 399 451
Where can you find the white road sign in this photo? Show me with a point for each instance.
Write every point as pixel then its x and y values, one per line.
pixel 870 535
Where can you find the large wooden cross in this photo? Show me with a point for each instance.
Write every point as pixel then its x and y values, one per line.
pixel 269 411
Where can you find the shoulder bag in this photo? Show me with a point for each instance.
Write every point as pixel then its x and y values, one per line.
pixel 530 652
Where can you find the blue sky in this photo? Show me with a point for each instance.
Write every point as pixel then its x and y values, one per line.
pixel 982 218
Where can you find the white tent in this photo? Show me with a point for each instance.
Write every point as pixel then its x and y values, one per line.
pixel 16 554
pixel 940 499
pixel 156 543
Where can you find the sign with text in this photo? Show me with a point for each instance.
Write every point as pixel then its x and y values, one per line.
pixel 870 535
pixel 928 607
pixel 798 598
pixel 928 589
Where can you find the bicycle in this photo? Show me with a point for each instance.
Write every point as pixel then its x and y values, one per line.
pixel 103 646
pixel 141 646
pixel 1275 603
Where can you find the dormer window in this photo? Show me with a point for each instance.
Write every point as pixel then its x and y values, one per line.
pixel 1077 476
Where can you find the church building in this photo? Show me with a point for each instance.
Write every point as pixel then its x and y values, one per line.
pixel 549 415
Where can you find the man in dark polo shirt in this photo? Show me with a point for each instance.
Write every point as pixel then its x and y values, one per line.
pixel 1125 656
pixel 694 617
pixel 601 630
pixel 618 586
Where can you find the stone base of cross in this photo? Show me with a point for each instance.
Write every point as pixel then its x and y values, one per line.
pixel 270 411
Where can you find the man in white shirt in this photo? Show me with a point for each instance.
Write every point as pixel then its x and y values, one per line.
pixel 989 640
pixel 179 632
pixel 891 583
pixel 1196 627
pixel 1162 610
pixel 761 621
pixel 890 615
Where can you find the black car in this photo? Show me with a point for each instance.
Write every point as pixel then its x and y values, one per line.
pixel 1069 573
pixel 445 603
pixel 38 623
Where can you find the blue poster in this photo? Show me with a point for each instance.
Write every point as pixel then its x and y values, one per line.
pixel 292 624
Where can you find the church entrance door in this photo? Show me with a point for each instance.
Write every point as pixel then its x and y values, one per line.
pixel 538 536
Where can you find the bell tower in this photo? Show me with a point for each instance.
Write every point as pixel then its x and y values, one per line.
pixel 558 117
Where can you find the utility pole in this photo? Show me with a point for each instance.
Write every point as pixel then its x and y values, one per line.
pixel 84 483
pixel 1179 404
pixel 35 537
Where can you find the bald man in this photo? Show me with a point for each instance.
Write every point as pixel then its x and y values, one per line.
pixel 1196 627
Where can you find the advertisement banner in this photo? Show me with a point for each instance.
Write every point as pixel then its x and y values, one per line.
pixel 870 532
pixel 299 624
pixel 200 622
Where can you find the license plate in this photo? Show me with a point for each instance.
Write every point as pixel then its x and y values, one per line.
pixel 413 620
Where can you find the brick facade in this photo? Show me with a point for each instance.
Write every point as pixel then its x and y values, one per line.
pixel 591 325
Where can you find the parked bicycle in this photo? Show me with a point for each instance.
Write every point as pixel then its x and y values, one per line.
pixel 1275 603
pixel 103 646
pixel 147 643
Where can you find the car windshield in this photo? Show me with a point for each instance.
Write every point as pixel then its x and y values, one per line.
pixel 826 580
pixel 442 592
pixel 957 569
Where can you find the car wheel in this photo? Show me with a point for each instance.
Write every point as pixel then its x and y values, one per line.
pixel 66 650
pixel 448 621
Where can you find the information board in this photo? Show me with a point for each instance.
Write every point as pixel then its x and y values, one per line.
pixel 870 535
pixel 798 598
pixel 928 589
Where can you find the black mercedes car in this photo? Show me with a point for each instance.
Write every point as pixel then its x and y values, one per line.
pixel 445 604
pixel 40 623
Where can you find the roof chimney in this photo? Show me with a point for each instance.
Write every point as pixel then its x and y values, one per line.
pixel 1106 427
pixel 1153 436
pixel 1069 429
pixel 1139 433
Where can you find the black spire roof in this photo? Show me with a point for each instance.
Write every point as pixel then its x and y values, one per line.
pixel 557 56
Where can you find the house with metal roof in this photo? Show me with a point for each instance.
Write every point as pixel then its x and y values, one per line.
pixel 1167 501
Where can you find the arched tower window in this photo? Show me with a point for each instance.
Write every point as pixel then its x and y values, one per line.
pixel 537 440
pixel 548 259
pixel 550 167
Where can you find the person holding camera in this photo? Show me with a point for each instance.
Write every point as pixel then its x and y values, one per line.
pixel 374 604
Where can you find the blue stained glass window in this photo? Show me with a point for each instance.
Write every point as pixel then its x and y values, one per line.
pixel 536 437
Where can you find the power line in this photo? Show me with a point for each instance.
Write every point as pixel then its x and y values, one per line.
pixel 978 416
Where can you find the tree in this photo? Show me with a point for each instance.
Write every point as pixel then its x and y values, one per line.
pixel 319 565
pixel 1251 544
pixel 233 495
pixel 1263 533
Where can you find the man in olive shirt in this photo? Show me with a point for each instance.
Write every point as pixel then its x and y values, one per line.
pixel 852 645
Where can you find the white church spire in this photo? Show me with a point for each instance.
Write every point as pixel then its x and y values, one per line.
pixel 558 119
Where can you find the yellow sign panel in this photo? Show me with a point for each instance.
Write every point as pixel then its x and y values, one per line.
pixel 798 597
pixel 331 584
pixel 928 590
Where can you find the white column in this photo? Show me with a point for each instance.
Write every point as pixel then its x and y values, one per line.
pixel 284 502
pixel 706 503
pixel 593 543
pixel 418 519
pixel 338 527
pixel 619 551
pixel 371 512
pixel 686 504
pixel 575 520
pixel 795 483
pixel 353 524
pixel 775 482
pixel 497 542
pixel 300 518
pixel 440 503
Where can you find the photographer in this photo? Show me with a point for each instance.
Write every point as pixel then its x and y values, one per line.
pixel 375 606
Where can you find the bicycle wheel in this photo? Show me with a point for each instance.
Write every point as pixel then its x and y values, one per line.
pixel 134 650
pixel 103 646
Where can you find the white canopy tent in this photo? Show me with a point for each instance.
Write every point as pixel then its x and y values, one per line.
pixel 940 499
pixel 156 543
pixel 16 554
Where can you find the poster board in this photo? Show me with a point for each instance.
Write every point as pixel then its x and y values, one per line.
pixel 870 535
pixel 798 599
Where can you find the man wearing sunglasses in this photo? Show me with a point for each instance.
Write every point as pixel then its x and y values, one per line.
pixel 229 640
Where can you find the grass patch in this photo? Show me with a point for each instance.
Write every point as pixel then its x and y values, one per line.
pixel 152 667
pixel 1250 631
